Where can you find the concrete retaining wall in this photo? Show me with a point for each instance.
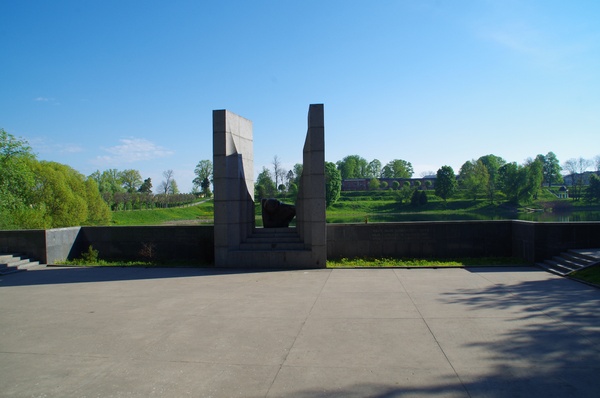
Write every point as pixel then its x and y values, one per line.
pixel 31 243
pixel 537 241
pixel 61 244
pixel 531 241
pixel 420 239
pixel 174 243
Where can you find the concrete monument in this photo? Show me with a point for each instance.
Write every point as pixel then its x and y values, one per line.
pixel 238 243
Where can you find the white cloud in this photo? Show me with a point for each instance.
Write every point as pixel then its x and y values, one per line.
pixel 45 146
pixel 46 99
pixel 132 150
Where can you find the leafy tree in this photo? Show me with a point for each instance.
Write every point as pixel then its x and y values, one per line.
pixel 174 189
pixel 404 193
pixel 298 173
pixel 374 184
pixel 551 168
pixel 61 192
pixel 203 171
pixel 131 180
pixel 333 183
pixel 98 211
pixel 415 198
pixel 265 186
pixel 474 177
pixel 374 169
pixel 352 166
pixel 206 188
pixel 445 184
pixel 146 186
pixel 492 163
pixel 17 184
pixel 535 178
pixel 397 168
pixel 510 179
pixel 592 192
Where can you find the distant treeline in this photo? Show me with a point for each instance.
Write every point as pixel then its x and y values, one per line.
pixel 143 200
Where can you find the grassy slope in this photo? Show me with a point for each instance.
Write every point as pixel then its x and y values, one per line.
pixel 200 214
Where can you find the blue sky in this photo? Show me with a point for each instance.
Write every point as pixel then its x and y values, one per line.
pixel 132 84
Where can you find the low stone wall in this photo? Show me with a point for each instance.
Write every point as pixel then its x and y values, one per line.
pixel 31 243
pixel 532 241
pixel 174 243
pixel 420 239
pixel 537 241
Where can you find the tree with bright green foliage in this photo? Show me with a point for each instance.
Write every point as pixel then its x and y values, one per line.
pixel 510 179
pixel 445 184
pixel 131 180
pixel 535 179
pixel 264 186
pixel 352 166
pixel 204 172
pixel 551 168
pixel 374 169
pixel 333 183
pixel 374 184
pixel 40 194
pixel 492 164
pixel 521 183
pixel 397 168
pixel 17 181
pixel 474 177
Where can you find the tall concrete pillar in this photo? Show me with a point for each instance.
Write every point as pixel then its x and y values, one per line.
pixel 233 167
pixel 310 205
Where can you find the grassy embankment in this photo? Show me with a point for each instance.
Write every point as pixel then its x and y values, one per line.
pixel 202 213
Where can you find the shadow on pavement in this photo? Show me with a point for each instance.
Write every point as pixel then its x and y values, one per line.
pixel 59 275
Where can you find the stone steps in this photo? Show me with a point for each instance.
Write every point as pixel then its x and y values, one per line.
pixel 273 239
pixel 571 261
pixel 11 263
pixel 272 248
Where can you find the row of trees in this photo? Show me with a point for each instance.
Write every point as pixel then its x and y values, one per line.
pixel 486 176
pixel 40 194
pixel 355 166
pixel 125 190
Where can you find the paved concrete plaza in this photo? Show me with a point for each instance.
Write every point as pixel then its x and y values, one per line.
pixel 134 332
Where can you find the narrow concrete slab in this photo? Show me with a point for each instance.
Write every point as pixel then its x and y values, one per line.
pixel 497 332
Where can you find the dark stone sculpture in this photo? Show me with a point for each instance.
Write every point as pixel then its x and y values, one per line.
pixel 276 214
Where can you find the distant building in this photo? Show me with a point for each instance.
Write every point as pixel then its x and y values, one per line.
pixel 570 179
pixel 362 184
pixel 563 192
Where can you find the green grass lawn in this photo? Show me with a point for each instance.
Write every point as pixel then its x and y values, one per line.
pixel 590 274
pixel 420 262
pixel 198 214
